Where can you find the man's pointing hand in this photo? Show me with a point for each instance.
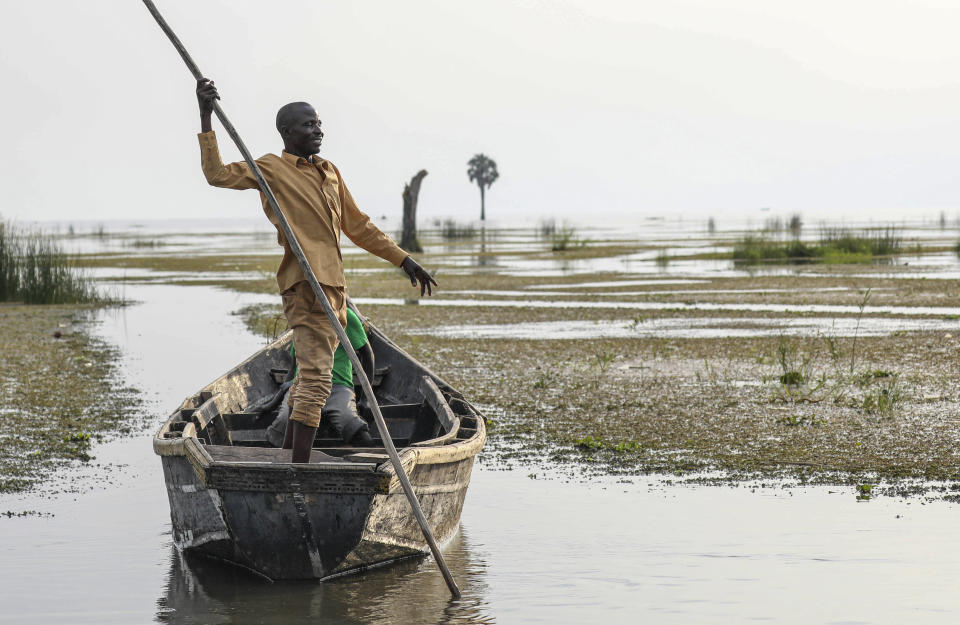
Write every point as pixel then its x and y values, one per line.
pixel 418 273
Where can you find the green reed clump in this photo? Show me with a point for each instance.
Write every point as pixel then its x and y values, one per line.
pixel 835 245
pixel 547 228
pixel 451 229
pixel 884 242
pixel 758 248
pixel 34 270
pixel 566 238
pixel 150 243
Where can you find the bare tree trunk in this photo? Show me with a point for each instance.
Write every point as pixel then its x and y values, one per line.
pixel 483 208
pixel 411 192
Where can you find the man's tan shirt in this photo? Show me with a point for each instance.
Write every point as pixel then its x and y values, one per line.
pixel 317 205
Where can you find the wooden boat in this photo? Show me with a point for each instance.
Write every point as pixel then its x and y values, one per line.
pixel 235 497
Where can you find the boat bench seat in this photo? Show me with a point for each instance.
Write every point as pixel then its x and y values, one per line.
pixel 272 455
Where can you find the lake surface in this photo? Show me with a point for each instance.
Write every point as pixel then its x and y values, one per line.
pixel 537 545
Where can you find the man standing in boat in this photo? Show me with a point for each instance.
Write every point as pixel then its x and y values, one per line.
pixel 316 202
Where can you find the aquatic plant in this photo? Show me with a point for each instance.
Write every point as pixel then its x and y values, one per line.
pixel 566 238
pixel 625 447
pixel 835 245
pixel 150 243
pixel 755 248
pixel 843 241
pixel 883 400
pixel 602 360
pixel 547 228
pixel 34 270
pixel 796 369
pixel 266 320
pixel 450 229
pixel 588 443
pixel 795 225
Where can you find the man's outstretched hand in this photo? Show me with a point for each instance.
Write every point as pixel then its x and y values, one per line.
pixel 418 274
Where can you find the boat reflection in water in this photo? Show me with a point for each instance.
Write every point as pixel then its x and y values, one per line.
pixel 203 590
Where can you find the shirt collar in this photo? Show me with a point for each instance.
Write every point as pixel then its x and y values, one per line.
pixel 293 159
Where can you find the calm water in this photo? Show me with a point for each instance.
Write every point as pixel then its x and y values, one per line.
pixel 536 545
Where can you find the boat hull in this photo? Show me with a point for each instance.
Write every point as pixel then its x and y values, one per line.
pixel 339 514
pixel 312 535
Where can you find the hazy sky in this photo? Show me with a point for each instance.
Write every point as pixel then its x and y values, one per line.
pixel 592 107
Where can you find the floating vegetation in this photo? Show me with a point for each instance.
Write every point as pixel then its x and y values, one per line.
pixel 588 443
pixel 61 394
pixel 34 270
pixel 266 320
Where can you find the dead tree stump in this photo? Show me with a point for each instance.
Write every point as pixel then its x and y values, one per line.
pixel 411 191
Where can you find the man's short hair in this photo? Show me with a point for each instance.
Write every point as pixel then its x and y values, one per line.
pixel 283 115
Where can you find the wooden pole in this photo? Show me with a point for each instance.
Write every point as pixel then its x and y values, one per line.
pixel 322 298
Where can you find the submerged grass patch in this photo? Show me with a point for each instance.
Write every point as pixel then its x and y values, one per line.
pixel 59 395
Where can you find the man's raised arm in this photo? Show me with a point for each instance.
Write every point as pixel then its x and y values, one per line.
pixel 232 176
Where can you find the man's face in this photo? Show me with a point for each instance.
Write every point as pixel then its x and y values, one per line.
pixel 302 135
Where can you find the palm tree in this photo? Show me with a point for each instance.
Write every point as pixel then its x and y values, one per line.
pixel 482 170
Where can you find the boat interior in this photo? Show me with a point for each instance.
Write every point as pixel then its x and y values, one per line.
pixel 231 416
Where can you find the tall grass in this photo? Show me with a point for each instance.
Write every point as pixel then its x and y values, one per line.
pixel 547 228
pixel 835 245
pixel 451 229
pixel 886 242
pixel 34 270
pixel 565 237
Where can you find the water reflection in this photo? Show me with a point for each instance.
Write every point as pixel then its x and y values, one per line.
pixel 485 258
pixel 200 590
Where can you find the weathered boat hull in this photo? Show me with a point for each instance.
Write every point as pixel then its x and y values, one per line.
pixel 341 513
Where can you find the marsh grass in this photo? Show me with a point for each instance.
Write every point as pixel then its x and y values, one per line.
pixel 450 229
pixel 547 228
pixel 835 245
pixel 34 270
pixel 837 375
pixel 146 243
pixel 266 320
pixel 566 238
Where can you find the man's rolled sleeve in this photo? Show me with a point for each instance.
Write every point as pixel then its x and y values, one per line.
pixel 232 176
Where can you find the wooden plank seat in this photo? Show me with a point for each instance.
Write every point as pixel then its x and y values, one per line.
pixel 271 455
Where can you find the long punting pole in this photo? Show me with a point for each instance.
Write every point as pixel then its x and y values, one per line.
pixel 322 298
